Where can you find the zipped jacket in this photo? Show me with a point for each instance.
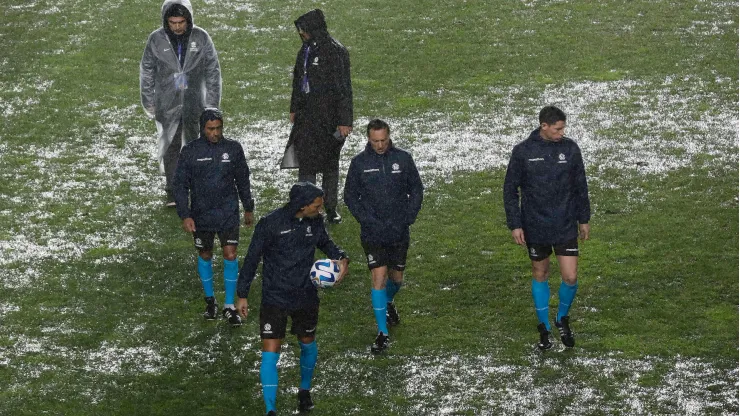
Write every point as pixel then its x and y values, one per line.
pixel 321 96
pixel 545 190
pixel 287 246
pixel 173 92
pixel 384 193
pixel 216 177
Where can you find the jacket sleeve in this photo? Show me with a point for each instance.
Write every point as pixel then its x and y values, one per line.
pixel 296 84
pixel 326 244
pixel 242 180
pixel 252 260
pixel 182 183
pixel 512 185
pixel 212 75
pixel 343 85
pixel 583 204
pixel 415 192
pixel 353 195
pixel 147 70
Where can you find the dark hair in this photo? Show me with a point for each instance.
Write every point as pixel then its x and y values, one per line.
pixel 210 114
pixel 177 10
pixel 378 124
pixel 551 115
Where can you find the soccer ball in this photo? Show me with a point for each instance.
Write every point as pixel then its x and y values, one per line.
pixel 324 273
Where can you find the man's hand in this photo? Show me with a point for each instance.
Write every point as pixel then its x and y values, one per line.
pixel 188 225
pixel 343 268
pixel 518 235
pixel 248 218
pixel 292 118
pixel 583 231
pixel 242 307
pixel 345 130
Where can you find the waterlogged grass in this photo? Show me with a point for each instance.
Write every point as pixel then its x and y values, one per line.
pixel 100 312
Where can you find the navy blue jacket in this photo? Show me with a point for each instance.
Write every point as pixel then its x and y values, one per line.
pixel 554 193
pixel 384 193
pixel 216 177
pixel 287 246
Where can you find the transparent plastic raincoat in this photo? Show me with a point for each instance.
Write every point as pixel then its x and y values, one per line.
pixel 172 92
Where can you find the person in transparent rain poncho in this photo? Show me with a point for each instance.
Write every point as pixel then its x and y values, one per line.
pixel 180 76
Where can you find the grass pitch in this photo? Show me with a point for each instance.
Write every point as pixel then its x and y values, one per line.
pixel 100 305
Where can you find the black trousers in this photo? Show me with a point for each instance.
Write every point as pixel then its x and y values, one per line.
pixel 329 183
pixel 173 153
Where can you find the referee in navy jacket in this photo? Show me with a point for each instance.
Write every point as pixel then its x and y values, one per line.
pixel 547 209
pixel 212 172
pixel 286 240
pixel 383 191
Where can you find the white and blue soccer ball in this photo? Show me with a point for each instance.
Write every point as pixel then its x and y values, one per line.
pixel 324 273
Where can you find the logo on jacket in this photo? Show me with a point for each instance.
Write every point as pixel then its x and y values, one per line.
pixel 562 158
pixel 193 47
pixel 308 231
pixel 316 60
pixel 396 168
pixel 225 157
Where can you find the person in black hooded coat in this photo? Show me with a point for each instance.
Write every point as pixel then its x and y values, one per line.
pixel 320 106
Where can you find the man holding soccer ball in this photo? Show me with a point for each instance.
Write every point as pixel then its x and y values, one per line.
pixel 553 211
pixel 286 240
pixel 383 191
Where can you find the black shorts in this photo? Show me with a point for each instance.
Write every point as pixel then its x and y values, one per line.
pixel 274 321
pixel 204 239
pixel 539 252
pixel 390 255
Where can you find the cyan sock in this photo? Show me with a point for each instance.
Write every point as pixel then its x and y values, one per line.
pixel 566 294
pixel 541 297
pixel 269 378
pixel 391 288
pixel 379 301
pixel 309 355
pixel 205 271
pixel 231 273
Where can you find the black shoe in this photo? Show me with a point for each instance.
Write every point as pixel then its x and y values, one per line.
pixel 391 314
pixel 304 400
pixel 380 344
pixel 545 343
pixel 170 200
pixel 333 217
pixel 271 413
pixel 211 312
pixel 232 316
pixel 566 335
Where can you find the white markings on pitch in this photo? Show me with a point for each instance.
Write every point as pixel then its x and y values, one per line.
pixel 678 385
pixel 662 131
